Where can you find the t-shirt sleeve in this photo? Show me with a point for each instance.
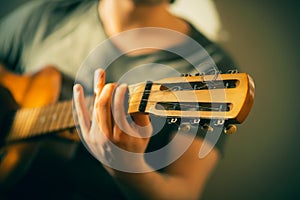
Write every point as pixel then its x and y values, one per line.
pixel 15 28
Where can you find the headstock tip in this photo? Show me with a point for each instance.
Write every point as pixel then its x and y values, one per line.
pixel 230 129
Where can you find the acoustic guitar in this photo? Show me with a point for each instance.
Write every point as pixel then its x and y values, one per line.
pixel 31 111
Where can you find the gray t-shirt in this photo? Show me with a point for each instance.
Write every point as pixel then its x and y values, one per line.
pixel 69 35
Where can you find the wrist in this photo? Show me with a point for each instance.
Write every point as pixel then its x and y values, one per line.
pixel 130 166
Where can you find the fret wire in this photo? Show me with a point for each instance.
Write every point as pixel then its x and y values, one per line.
pixel 22 129
pixel 33 117
pixel 41 121
pixel 71 122
pixel 36 125
pixel 35 122
pixel 64 115
pixel 50 113
pixel 60 115
pixel 29 122
pixel 15 128
pixel 18 129
pixel 26 126
pixel 53 116
pixel 48 118
pixel 67 108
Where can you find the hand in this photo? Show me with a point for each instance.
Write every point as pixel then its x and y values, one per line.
pixel 109 129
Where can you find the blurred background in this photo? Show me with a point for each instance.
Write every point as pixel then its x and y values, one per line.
pixel 262 160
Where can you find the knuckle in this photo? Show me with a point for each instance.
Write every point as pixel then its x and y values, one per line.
pixel 102 102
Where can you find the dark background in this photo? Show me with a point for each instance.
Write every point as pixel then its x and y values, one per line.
pixel 262 159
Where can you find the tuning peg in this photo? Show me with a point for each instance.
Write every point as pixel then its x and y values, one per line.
pixel 200 74
pixel 208 128
pixel 230 129
pixel 232 71
pixel 184 127
pixel 172 120
pixel 186 75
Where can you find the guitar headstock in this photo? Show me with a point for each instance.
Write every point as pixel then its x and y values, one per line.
pixel 220 97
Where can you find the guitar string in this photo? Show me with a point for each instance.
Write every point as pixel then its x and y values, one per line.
pixel 51 108
pixel 184 104
pixel 44 110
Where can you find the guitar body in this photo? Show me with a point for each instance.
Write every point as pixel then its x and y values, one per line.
pixel 26 91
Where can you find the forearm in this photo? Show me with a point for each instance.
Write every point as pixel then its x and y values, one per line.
pixel 183 179
pixel 156 185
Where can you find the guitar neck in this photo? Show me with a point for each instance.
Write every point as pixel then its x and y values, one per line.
pixel 32 122
pixel 226 96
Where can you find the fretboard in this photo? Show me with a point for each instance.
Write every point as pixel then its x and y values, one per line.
pixel 32 122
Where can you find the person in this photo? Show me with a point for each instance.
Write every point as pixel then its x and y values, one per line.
pixel 63 33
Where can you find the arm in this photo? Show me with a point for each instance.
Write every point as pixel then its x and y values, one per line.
pixel 183 179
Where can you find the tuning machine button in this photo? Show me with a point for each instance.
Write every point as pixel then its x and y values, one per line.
pixel 207 128
pixel 185 127
pixel 173 120
pixel 232 71
pixel 185 75
pixel 200 74
pixel 230 129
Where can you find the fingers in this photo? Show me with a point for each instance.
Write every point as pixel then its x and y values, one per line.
pixel 103 109
pixel 119 114
pixel 80 106
pixel 142 121
pixel 81 109
pixel 99 81
pixel 142 125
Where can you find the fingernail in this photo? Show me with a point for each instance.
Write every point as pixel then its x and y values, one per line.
pixel 121 88
pixel 123 85
pixel 98 78
pixel 76 89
